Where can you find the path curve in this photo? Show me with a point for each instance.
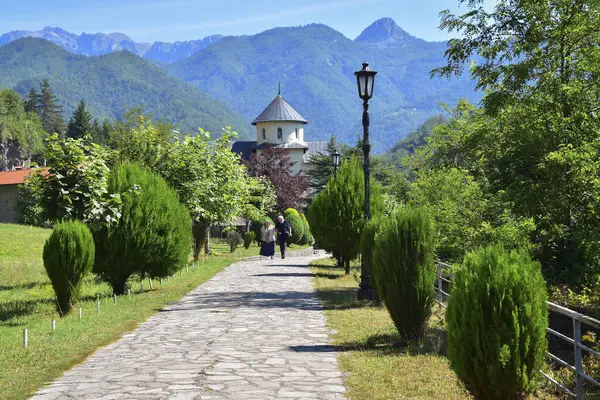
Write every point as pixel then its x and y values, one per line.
pixel 254 331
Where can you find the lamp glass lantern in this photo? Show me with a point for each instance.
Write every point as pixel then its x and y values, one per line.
pixel 365 79
pixel 335 158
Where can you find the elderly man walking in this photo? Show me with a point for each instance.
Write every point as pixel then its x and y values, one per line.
pixel 284 230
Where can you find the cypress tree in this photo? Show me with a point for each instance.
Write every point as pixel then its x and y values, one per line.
pixel 68 256
pixel 80 123
pixel 336 215
pixel 152 238
pixel 49 109
pixel 403 269
pixel 496 320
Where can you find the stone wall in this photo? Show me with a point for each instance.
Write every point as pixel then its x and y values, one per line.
pixel 8 199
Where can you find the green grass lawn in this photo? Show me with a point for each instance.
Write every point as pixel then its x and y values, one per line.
pixel 370 350
pixel 26 301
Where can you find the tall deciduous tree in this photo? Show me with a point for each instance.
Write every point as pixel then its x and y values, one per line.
pixel 80 123
pixel 539 65
pixel 261 200
pixel 77 184
pixel 49 109
pixel 210 180
pixel 275 164
pixel 336 215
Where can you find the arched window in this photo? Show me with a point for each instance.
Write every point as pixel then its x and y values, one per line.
pixel 264 133
pixel 279 133
pixel 297 130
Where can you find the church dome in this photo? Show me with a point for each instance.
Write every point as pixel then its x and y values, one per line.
pixel 279 110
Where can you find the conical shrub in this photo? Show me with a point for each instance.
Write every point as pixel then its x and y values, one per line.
pixel 68 257
pixel 403 269
pixel 496 321
pixel 154 234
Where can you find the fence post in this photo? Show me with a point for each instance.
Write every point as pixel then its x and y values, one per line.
pixel 25 338
pixel 440 296
pixel 578 357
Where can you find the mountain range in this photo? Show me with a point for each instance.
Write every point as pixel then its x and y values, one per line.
pixel 314 63
pixel 98 44
pixel 112 83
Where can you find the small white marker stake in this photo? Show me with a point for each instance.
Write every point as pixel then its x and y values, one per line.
pixel 115 299
pixel 25 338
pixel 150 283
pixel 129 293
pixel 98 306
pixel 80 313
pixel 160 281
pixel 53 324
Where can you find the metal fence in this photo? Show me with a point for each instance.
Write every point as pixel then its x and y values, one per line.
pixel 444 275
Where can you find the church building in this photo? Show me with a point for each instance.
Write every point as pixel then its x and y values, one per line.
pixel 280 126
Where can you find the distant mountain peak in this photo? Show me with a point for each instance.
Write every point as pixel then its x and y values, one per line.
pixel 119 37
pixel 385 32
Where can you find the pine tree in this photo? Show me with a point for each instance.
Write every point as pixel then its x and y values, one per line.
pixel 322 169
pixel 80 123
pixel 31 105
pixel 49 109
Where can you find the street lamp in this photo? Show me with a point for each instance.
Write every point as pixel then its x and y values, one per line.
pixel 335 160
pixel 365 79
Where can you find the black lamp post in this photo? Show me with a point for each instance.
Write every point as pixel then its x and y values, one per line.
pixel 365 78
pixel 335 160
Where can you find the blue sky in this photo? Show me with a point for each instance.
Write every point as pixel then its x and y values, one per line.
pixel 171 20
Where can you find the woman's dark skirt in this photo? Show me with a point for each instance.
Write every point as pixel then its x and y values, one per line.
pixel 267 249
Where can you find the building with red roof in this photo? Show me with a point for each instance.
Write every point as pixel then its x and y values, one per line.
pixel 9 181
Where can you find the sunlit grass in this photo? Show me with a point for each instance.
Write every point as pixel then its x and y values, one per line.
pixel 26 301
pixel 379 366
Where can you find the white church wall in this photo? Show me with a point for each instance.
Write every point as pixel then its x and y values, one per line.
pixel 289 132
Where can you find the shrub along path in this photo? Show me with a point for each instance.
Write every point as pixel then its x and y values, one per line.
pixel 255 330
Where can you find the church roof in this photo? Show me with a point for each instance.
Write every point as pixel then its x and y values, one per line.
pixel 279 110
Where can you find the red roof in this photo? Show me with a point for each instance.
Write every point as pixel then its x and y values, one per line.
pixel 17 177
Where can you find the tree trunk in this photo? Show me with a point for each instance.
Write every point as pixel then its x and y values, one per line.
pixel 347 267
pixel 201 232
pixel 119 287
pixel 338 257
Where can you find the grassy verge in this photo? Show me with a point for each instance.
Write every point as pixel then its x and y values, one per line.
pixel 26 301
pixel 379 366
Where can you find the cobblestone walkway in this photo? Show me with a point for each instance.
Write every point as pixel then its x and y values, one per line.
pixel 254 331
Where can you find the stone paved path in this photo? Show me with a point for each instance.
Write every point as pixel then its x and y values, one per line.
pixel 254 331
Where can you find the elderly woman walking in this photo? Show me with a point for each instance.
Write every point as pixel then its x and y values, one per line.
pixel 267 236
